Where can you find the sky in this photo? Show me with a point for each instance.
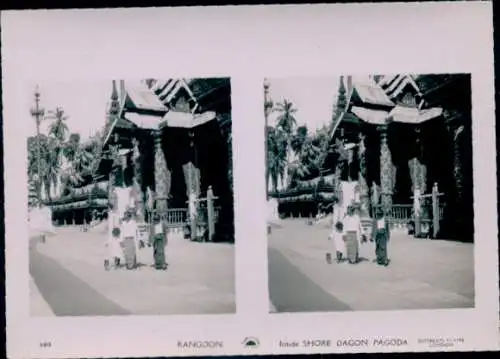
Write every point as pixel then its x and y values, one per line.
pixel 84 103
pixel 313 97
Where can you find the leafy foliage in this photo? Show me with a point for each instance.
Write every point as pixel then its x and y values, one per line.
pixel 64 161
pixel 293 151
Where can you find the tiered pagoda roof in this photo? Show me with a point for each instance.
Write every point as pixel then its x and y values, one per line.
pixel 93 195
pixel 155 104
pixel 379 100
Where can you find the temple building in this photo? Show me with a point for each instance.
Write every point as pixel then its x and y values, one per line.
pixel 81 204
pixel 400 141
pixel 171 142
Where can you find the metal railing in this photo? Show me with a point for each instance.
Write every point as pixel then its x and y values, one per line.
pixel 403 213
pixel 179 217
pixel 174 217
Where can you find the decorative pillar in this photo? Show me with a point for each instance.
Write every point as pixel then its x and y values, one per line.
pixel 422 174
pixel 210 213
pixel 192 180
pixel 364 195
pixel 162 175
pixel 436 215
pixel 417 210
pixel 375 196
pixel 418 174
pixel 418 170
pixel 137 182
pixel 458 173
pixel 113 156
pixel 386 172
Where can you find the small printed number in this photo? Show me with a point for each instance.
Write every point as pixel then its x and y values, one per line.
pixel 45 344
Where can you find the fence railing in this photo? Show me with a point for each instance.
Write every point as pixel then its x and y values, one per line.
pixel 403 213
pixel 174 217
pixel 179 217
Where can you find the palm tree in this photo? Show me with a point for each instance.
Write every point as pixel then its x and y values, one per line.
pixel 276 155
pixel 299 138
pixel 58 129
pixel 51 165
pixel 309 161
pixel 286 122
pixel 80 160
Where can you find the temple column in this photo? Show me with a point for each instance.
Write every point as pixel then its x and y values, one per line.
pixel 461 211
pixel 364 194
pixel 418 171
pixel 418 174
pixel 339 143
pixel 162 174
pixel 113 156
pixel 386 172
pixel 137 182
pixel 458 173
pixel 192 180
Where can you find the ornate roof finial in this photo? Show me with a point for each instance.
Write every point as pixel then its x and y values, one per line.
pixel 341 99
pixel 115 104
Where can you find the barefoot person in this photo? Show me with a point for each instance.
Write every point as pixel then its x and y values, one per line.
pixel 114 250
pixel 159 240
pixel 352 236
pixel 381 234
pixel 337 235
pixel 129 233
pixel 338 241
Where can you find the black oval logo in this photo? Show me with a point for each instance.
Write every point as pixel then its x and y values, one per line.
pixel 251 342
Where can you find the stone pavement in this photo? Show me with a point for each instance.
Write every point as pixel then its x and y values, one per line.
pixel 200 278
pixel 423 274
pixel 38 304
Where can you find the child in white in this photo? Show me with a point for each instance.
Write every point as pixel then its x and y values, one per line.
pixel 338 240
pixel 337 233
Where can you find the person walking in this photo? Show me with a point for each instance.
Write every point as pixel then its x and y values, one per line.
pixel 353 233
pixel 381 235
pixel 337 236
pixel 114 250
pixel 159 240
pixel 129 234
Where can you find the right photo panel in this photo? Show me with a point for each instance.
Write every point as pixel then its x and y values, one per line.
pixel 369 192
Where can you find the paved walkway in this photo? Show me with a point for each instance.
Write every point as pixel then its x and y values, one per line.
pixel 423 274
pixel 68 272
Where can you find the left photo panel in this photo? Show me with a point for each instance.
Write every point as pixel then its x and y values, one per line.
pixel 131 197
